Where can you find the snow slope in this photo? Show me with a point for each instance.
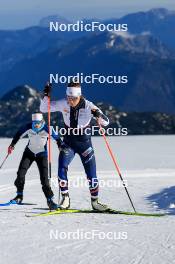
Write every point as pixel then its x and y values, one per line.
pixel 147 163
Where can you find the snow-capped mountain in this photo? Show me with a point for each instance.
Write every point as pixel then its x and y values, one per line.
pixel 144 44
pixel 148 64
pixel 158 21
pixel 16 108
pixel 143 54
pixel 21 93
pixel 17 45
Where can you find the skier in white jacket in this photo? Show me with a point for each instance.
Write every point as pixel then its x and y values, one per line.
pixel 77 113
pixel 35 151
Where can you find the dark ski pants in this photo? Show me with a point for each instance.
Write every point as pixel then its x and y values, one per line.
pixel 27 159
pixel 86 153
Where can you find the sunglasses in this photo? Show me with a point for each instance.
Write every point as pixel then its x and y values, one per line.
pixel 37 123
pixel 72 98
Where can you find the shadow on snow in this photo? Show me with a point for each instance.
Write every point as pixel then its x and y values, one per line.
pixel 164 200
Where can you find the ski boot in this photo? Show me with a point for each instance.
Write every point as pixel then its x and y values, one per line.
pixel 18 199
pixel 52 206
pixel 96 206
pixel 65 202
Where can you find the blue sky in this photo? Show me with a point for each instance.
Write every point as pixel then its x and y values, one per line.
pixel 21 13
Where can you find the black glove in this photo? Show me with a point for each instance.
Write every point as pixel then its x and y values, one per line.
pixel 97 113
pixel 59 142
pixel 62 146
pixel 47 89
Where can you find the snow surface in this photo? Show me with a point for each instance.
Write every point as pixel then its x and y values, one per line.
pixel 147 163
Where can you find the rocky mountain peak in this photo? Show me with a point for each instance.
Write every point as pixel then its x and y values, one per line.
pixel 21 93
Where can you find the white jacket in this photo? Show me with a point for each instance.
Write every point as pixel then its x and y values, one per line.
pixel 84 115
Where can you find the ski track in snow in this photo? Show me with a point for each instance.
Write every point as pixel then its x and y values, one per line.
pixel 151 179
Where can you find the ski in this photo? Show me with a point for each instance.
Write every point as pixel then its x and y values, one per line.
pixel 6 204
pixel 86 211
pixel 14 203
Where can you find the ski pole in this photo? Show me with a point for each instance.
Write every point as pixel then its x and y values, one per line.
pixel 116 165
pixel 49 140
pixel 4 161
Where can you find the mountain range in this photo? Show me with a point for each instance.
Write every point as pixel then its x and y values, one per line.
pixel 146 54
pixel 159 22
